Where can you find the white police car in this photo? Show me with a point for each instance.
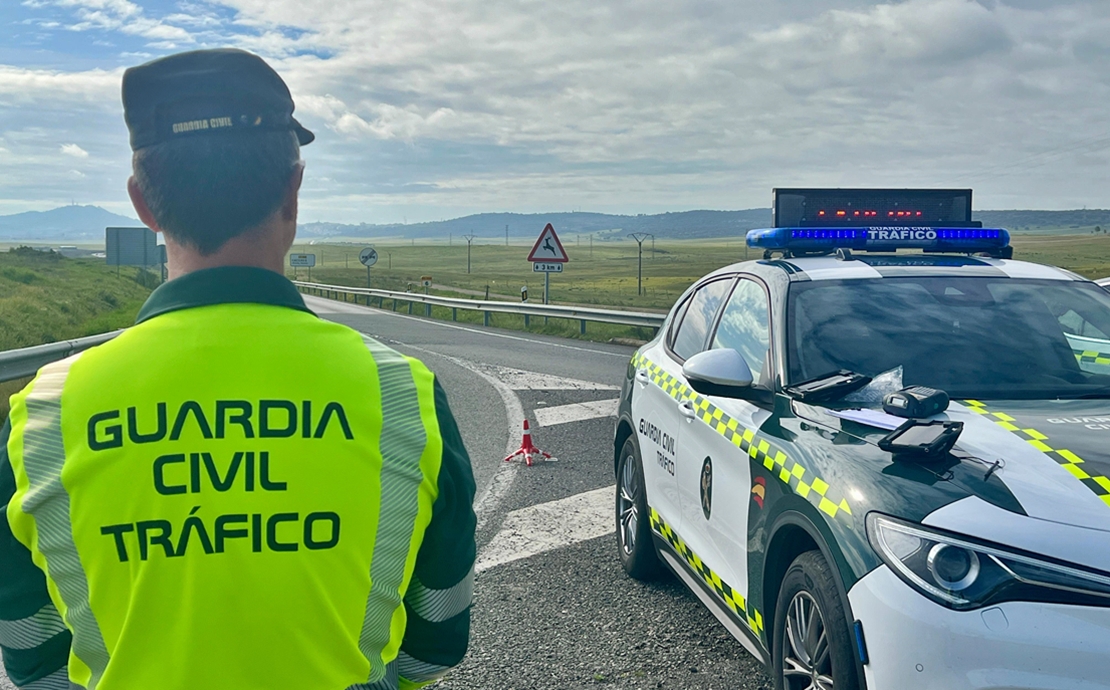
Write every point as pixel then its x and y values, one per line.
pixel 848 547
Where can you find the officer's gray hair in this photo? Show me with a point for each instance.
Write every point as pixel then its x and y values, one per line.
pixel 205 190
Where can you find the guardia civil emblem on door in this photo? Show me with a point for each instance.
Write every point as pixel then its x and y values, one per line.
pixel 707 486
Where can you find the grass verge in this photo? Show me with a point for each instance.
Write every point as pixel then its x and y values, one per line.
pixel 45 297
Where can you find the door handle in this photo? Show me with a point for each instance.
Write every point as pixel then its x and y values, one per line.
pixel 642 377
pixel 687 409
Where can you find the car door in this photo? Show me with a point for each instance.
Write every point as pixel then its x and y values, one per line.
pixel 657 410
pixel 715 474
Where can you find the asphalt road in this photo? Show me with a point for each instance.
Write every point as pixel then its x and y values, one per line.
pixel 553 609
pixel 567 617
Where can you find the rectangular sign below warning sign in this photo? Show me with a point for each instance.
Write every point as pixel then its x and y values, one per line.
pixel 302 260
pixel 545 267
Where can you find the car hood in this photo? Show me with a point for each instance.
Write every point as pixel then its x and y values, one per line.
pixel 1054 455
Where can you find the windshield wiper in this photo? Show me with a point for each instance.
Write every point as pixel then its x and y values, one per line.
pixel 831 386
pixel 1102 395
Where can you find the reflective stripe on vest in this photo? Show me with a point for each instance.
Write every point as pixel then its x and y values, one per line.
pixel 48 502
pixel 402 443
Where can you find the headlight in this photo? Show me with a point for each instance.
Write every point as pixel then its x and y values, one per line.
pixel 962 574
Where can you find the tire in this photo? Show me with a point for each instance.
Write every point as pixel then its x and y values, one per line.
pixel 809 594
pixel 634 543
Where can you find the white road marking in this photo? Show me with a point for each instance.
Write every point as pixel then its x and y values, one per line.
pixel 576 412
pixel 360 309
pixel 492 494
pixel 531 531
pixel 490 497
pixel 520 380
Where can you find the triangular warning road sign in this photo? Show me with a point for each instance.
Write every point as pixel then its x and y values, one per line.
pixel 548 247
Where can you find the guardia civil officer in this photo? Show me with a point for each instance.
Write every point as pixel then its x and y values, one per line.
pixel 233 493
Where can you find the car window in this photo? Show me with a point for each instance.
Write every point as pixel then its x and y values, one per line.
pixel 974 337
pixel 744 325
pixel 1085 325
pixel 694 329
pixel 676 322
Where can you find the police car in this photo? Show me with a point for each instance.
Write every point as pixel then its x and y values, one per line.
pixel 1104 282
pixel 878 468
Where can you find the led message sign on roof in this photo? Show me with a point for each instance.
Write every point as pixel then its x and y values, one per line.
pixel 799 208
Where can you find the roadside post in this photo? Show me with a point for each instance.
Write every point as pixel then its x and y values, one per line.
pixel 547 257
pixel 426 281
pixel 523 299
pixel 368 257
pixel 302 261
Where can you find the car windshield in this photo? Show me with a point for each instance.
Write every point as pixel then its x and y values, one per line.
pixel 974 337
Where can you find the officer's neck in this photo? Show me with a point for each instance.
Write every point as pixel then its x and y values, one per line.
pixel 261 248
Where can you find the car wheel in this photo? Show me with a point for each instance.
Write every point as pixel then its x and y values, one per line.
pixel 634 544
pixel 812 646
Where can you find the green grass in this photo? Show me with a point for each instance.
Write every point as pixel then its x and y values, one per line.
pixel 45 297
pixel 1087 255
pixel 605 276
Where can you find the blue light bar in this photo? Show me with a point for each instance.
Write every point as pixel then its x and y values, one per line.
pixel 880 239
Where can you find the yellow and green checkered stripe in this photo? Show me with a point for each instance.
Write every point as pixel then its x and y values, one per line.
pixel 1067 459
pixel 1092 357
pixel 735 601
pixel 803 482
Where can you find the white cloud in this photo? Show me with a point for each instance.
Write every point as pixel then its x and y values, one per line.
pixel 22 85
pixel 657 104
pixel 74 150
pixel 120 15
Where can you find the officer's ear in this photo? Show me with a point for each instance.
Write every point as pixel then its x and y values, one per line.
pixel 141 207
pixel 289 205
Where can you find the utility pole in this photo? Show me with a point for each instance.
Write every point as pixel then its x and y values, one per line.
pixel 591 245
pixel 640 237
pixel 469 239
pixel 653 247
pixel 449 239
pixel 506 235
pixel 390 255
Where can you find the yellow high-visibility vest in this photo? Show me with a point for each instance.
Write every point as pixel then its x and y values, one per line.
pixel 245 514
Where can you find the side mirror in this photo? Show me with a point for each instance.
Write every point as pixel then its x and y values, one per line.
pixel 719 372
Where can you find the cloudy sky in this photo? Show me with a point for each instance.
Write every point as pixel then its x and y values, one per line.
pixel 429 109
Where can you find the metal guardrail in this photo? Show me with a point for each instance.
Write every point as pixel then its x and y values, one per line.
pixel 17 364
pixel 556 311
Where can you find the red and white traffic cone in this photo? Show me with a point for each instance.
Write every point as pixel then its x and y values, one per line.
pixel 528 449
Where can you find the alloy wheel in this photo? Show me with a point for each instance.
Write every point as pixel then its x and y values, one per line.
pixel 807 663
pixel 628 513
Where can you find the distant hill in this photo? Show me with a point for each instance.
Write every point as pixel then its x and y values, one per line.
pixel 77 223
pixel 685 224
pixel 1062 222
pixel 680 225
pixel 87 223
